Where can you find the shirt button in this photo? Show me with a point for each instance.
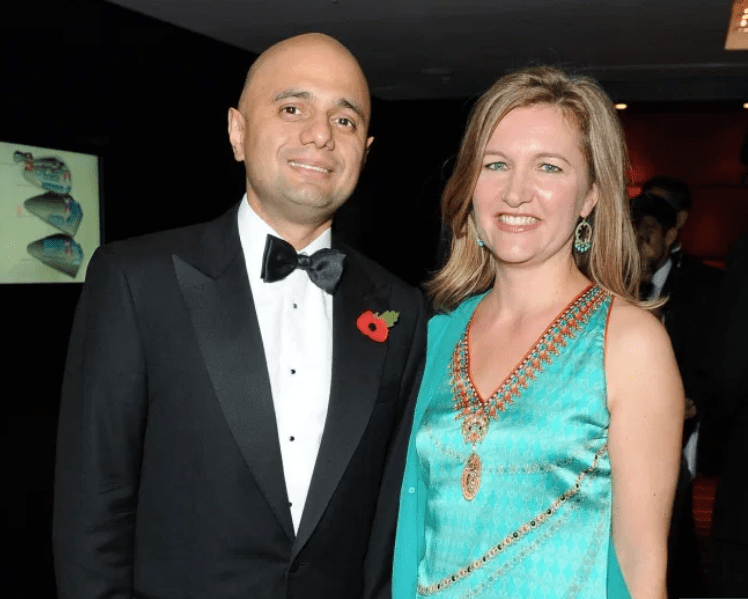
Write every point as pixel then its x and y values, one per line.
pixel 412 490
pixel 293 371
pixel 295 305
pixel 292 438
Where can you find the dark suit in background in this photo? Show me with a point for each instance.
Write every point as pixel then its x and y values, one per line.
pixel 730 367
pixel 692 289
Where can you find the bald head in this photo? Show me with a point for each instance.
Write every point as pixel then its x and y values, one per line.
pixel 301 131
pixel 318 46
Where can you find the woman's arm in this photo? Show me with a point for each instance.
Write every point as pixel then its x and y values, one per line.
pixel 646 402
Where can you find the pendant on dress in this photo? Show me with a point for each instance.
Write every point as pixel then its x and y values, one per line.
pixel 471 477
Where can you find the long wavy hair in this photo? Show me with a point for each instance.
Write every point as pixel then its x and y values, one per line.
pixel 613 260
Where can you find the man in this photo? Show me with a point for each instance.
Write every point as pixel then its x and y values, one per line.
pixel 690 285
pixel 729 365
pixel 656 231
pixel 691 289
pixel 232 426
pixel 676 193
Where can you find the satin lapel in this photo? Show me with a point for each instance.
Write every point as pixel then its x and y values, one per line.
pixel 228 333
pixel 357 363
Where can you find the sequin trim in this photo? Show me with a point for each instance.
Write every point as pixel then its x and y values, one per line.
pixel 509 469
pixel 476 412
pixel 514 536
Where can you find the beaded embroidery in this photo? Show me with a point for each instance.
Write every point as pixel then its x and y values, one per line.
pixel 515 535
pixel 476 413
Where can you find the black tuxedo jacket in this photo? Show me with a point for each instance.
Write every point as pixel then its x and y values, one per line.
pixel 169 481
pixel 692 288
pixel 730 377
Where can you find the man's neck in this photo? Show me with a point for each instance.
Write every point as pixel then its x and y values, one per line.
pixel 299 235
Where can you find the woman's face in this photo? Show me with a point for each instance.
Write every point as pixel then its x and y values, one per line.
pixel 532 187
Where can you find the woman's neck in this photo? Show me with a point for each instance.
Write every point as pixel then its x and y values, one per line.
pixel 523 290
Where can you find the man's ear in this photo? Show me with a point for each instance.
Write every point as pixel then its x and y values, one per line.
pixel 670 236
pixel 369 141
pixel 681 218
pixel 236 133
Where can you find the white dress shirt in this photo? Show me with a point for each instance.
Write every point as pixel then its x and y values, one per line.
pixel 658 279
pixel 295 319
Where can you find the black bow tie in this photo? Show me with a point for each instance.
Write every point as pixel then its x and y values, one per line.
pixel 324 267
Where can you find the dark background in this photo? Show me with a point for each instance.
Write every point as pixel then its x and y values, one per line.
pixel 151 100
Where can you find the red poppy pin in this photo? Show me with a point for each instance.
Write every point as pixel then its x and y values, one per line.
pixel 377 326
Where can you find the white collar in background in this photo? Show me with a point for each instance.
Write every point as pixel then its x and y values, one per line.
pixel 659 278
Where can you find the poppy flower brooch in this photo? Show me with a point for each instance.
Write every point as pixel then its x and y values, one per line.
pixel 377 326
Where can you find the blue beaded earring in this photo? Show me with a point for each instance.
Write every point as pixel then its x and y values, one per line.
pixel 480 243
pixel 583 236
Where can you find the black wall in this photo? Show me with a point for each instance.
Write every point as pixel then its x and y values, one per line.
pixel 152 99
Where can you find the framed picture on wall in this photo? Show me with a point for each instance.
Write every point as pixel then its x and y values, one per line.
pixel 50 213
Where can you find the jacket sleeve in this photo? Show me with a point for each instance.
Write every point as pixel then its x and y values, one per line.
pixel 99 444
pixel 378 565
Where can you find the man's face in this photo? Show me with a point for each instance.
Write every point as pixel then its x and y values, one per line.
pixel 654 245
pixel 301 132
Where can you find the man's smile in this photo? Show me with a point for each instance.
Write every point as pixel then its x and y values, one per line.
pixel 310 166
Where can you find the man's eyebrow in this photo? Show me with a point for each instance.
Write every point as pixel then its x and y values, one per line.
pixel 293 93
pixel 351 106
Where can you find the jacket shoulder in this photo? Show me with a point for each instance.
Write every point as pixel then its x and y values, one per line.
pixel 173 241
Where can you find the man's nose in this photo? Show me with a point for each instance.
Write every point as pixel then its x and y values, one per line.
pixel 318 130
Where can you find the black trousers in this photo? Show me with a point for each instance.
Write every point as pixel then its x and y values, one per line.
pixel 684 559
pixel 729 569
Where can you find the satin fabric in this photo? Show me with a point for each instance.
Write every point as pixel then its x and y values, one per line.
pixel 532 455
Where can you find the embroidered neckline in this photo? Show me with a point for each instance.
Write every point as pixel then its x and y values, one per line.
pixel 564 326
pixel 476 412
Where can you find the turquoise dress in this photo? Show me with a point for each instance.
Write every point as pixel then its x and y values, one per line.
pixel 510 496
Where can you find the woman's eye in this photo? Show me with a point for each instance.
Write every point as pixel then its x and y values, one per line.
pixel 549 168
pixel 496 166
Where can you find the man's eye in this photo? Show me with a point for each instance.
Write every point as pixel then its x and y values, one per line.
pixel 549 168
pixel 346 122
pixel 290 109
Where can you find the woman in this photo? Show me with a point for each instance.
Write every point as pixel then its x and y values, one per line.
pixel 546 439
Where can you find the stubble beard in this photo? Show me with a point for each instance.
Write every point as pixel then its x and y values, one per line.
pixel 306 205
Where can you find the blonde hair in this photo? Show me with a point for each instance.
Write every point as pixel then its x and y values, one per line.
pixel 613 260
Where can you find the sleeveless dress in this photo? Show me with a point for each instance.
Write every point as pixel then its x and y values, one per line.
pixel 511 496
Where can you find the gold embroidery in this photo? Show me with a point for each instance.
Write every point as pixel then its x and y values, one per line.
pixel 476 413
pixel 516 535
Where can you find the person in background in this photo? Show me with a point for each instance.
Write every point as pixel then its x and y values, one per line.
pixel 729 365
pixel 690 290
pixel 238 394
pixel 547 387
pixel 675 192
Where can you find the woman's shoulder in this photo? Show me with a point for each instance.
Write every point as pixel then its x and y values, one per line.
pixel 639 358
pixel 631 328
